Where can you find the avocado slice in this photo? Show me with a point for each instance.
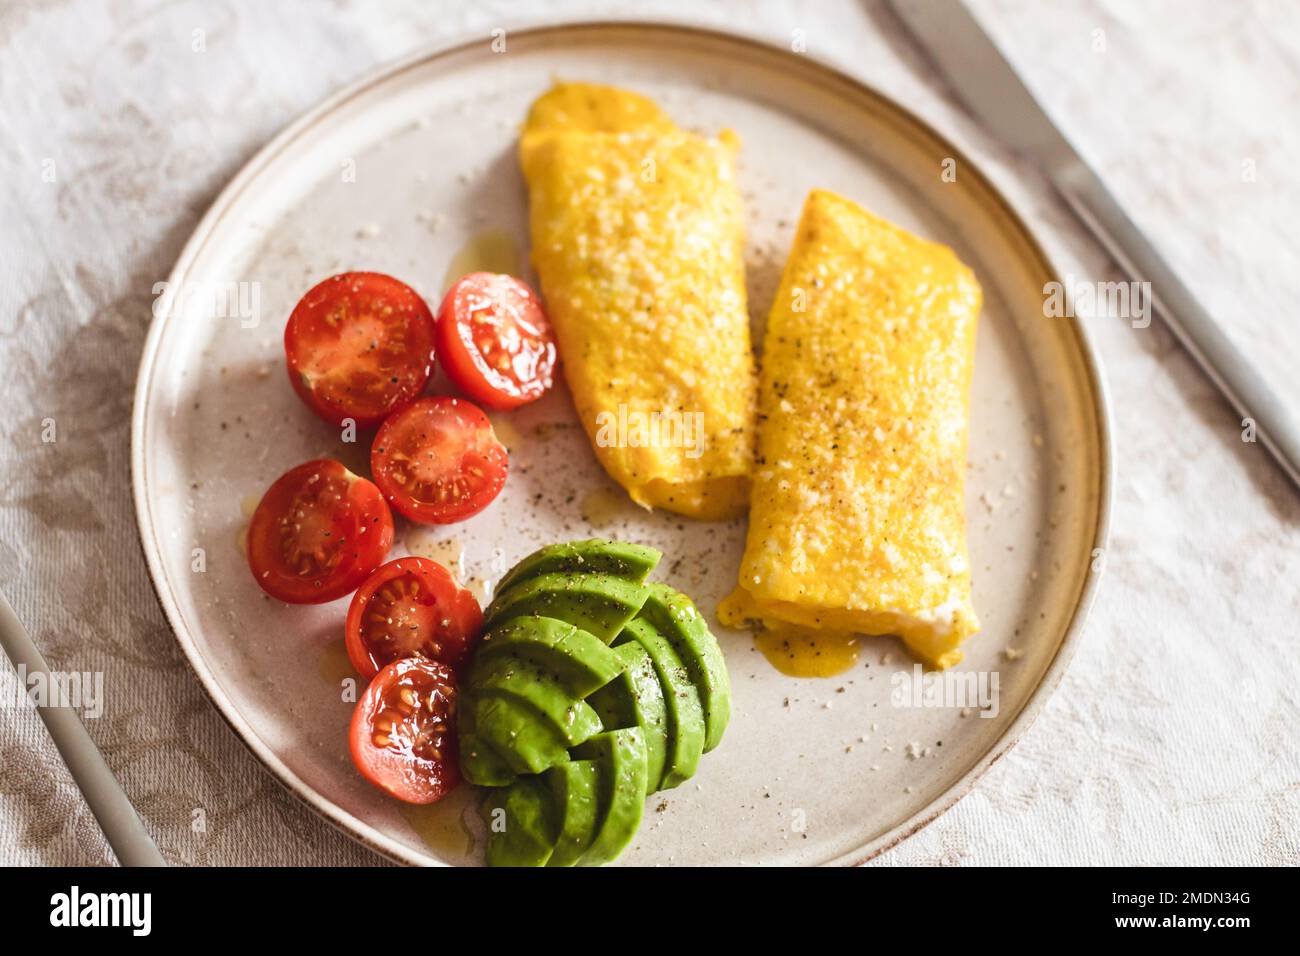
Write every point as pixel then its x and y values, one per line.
pixel 685 713
pixel 575 790
pixel 636 699
pixel 621 790
pixel 522 824
pixel 523 682
pixel 676 618
pixel 480 764
pixel 527 743
pixel 598 603
pixel 632 562
pixel 580 661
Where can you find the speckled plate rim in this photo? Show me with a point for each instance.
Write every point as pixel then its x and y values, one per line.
pixel 824 71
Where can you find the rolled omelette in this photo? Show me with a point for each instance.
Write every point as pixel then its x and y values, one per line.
pixel 857 518
pixel 637 235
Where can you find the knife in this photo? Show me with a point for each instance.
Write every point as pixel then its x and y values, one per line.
pixel 990 88
pixel 104 795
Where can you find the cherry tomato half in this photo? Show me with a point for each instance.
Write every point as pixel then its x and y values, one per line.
pixel 495 341
pixel 318 533
pixel 438 460
pixel 359 345
pixel 411 607
pixel 403 734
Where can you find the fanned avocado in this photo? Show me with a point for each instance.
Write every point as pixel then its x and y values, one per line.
pixel 632 562
pixel 517 734
pixel 521 681
pixel 580 661
pixel 522 824
pixel 480 764
pixel 598 603
pixel 636 699
pixel 676 618
pixel 621 789
pixel 685 714
pixel 589 689
pixel 574 788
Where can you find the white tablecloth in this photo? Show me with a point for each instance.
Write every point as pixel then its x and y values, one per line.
pixel 1174 737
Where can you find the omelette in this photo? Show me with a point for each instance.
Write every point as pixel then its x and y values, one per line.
pixel 857 519
pixel 637 235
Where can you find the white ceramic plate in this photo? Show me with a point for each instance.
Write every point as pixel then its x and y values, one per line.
pixel 397 174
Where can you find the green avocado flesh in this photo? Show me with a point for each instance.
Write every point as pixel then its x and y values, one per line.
pixel 685 723
pixel 574 788
pixel 632 562
pixel 580 661
pixel 479 763
pixel 515 732
pixel 523 682
pixel 522 825
pixel 621 791
pixel 589 690
pixel 677 619
pixel 636 699
pixel 598 603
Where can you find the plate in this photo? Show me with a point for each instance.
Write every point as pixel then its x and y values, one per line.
pixel 406 171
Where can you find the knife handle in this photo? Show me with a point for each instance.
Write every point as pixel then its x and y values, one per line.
pixel 104 795
pixel 1275 427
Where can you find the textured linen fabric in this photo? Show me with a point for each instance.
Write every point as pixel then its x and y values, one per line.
pixel 1173 737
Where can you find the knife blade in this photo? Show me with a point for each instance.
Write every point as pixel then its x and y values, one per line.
pixel 989 86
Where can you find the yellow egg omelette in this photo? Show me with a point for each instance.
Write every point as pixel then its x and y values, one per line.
pixel 857 516
pixel 637 234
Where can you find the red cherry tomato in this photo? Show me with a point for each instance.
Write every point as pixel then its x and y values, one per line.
pixel 495 341
pixel 318 533
pixel 438 460
pixel 403 735
pixel 359 345
pixel 411 607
